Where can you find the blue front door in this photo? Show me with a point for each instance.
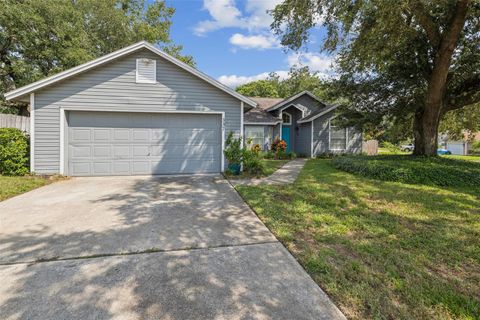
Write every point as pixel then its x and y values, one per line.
pixel 286 136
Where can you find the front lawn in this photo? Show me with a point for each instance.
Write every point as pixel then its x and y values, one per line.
pixel 380 249
pixel 465 158
pixel 15 185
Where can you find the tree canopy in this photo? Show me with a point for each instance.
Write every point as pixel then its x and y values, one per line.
pixel 39 38
pixel 299 79
pixel 406 59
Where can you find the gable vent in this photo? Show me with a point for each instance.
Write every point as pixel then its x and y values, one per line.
pixel 146 70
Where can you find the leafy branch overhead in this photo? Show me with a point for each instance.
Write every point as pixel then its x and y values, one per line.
pixel 39 38
pixel 406 59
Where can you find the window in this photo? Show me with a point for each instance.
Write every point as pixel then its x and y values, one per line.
pixel 146 71
pixel 338 137
pixel 257 134
pixel 286 118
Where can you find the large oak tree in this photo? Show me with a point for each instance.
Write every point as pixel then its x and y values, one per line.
pixel 412 59
pixel 41 37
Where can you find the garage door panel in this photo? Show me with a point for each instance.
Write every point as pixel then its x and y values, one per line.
pixel 129 143
pixel 121 168
pixel 141 135
pixel 102 168
pixel 102 151
pixel 121 135
pixel 141 151
pixel 80 135
pixel 81 151
pixel 121 151
pixel 80 168
pixel 101 135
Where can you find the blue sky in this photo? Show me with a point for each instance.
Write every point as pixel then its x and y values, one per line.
pixel 232 42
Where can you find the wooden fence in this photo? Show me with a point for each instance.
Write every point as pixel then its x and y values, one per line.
pixel 14 121
pixel 370 147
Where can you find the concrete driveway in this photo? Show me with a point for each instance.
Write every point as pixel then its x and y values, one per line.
pixel 147 248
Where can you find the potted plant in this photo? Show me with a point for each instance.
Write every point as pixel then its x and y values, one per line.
pixel 234 153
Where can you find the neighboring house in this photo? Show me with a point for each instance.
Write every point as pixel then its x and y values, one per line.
pixel 304 122
pixel 461 147
pixel 132 112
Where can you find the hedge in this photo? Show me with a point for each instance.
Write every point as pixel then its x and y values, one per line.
pixel 14 152
pixel 414 170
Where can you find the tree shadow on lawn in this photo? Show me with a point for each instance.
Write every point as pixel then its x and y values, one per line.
pixel 241 282
pixel 380 248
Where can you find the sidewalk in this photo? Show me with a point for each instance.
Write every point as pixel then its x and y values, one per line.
pixel 285 175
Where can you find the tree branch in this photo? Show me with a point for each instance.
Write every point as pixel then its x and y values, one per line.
pixel 468 93
pixel 426 21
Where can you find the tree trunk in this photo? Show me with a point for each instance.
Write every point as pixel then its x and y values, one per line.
pixel 427 120
pixel 425 130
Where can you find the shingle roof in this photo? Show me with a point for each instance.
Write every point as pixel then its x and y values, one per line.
pixel 258 115
pixel 265 103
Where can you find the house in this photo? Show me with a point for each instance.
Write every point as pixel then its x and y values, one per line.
pixel 461 147
pixel 139 111
pixel 304 122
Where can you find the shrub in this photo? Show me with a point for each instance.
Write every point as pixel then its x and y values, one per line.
pixel 252 163
pixel 415 170
pixel 233 149
pixel 278 145
pixel 268 155
pixel 393 149
pixel 13 152
pixel 476 147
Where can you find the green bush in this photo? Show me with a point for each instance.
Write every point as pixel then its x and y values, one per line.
pixel 13 152
pixel 233 149
pixel 268 154
pixel 476 147
pixel 252 163
pixel 415 170
pixel 393 149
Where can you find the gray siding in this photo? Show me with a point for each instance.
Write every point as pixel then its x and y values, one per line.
pixel 321 137
pixel 112 87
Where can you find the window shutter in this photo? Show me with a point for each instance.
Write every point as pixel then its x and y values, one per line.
pixel 146 71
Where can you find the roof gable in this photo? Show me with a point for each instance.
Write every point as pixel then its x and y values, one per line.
pixel 292 98
pixel 25 90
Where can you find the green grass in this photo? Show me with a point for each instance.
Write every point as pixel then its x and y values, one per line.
pixel 273 165
pixel 465 158
pixel 12 186
pixel 270 167
pixel 381 250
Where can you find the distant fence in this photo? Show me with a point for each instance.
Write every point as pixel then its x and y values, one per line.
pixel 370 147
pixel 14 121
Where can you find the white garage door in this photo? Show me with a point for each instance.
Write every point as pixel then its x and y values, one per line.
pixel 116 143
pixel 455 148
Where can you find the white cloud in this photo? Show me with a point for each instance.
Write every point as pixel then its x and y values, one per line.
pixel 315 62
pixel 260 42
pixel 225 14
pixel 234 81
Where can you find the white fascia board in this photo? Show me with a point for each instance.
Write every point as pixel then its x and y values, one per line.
pixel 318 115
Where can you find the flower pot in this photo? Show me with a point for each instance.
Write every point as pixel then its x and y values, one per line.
pixel 234 168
